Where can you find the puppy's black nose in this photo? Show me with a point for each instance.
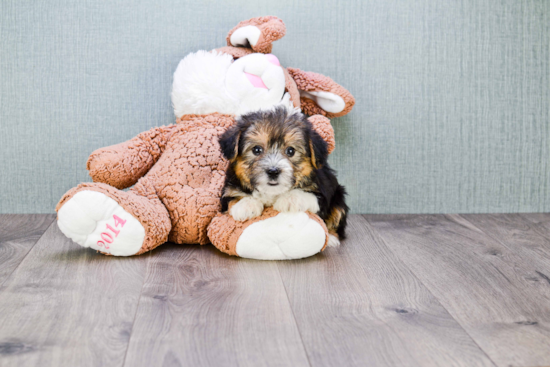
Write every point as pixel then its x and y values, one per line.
pixel 273 172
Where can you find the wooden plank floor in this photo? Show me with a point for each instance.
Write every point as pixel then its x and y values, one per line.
pixel 402 290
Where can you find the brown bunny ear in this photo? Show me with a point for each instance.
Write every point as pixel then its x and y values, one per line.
pixel 322 126
pixel 321 95
pixel 257 33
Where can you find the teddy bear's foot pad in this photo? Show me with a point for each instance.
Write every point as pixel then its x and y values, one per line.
pixel 283 237
pixel 94 220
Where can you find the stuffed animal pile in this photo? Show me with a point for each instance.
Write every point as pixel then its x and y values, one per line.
pixel 176 173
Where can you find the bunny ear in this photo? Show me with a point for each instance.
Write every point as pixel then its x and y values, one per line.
pixel 257 33
pixel 321 95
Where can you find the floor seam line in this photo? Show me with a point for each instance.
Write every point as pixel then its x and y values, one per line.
pixel 485 233
pixel 27 254
pixel 293 315
pixel 137 308
pixel 430 291
pixel 496 239
pixel 534 225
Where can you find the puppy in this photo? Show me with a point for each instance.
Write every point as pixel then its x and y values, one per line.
pixel 277 159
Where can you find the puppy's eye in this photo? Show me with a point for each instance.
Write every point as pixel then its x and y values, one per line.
pixel 290 151
pixel 257 150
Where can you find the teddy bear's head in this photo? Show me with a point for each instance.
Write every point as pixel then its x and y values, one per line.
pixel 242 78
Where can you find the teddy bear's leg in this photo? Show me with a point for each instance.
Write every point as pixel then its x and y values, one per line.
pixel 114 222
pixel 192 209
pixel 271 236
pixel 257 33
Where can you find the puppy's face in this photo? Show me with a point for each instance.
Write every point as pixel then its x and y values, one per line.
pixel 273 156
pixel 272 151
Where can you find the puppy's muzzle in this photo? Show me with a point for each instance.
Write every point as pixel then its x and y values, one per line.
pixel 273 173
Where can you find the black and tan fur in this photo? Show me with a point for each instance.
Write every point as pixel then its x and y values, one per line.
pixel 279 130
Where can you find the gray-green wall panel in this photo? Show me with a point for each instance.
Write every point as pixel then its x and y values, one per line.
pixel 453 97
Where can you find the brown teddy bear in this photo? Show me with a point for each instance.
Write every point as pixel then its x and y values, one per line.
pixel 177 172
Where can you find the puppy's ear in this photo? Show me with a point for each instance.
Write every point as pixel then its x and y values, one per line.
pixel 318 149
pixel 229 142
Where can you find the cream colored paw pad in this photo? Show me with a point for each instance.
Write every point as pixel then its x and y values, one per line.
pixel 283 237
pixel 94 220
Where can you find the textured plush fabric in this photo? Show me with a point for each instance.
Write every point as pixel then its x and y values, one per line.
pixel 224 231
pixel 180 170
pixel 142 202
pixel 310 81
pixel 452 96
pixel 323 127
pixel 290 84
pixel 183 173
pixel 292 89
pixel 272 29
pixel 121 165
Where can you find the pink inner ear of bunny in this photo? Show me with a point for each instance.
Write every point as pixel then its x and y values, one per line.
pixel 322 126
pixel 308 82
pixel 271 29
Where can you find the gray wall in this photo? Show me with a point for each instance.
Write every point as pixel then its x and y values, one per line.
pixel 452 110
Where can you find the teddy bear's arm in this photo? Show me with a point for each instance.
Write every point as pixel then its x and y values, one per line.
pixel 123 164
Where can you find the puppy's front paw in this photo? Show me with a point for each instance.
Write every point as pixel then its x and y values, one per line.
pixel 246 208
pixel 297 201
pixel 333 241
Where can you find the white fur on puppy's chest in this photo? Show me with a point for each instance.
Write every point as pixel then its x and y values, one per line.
pixel 292 201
